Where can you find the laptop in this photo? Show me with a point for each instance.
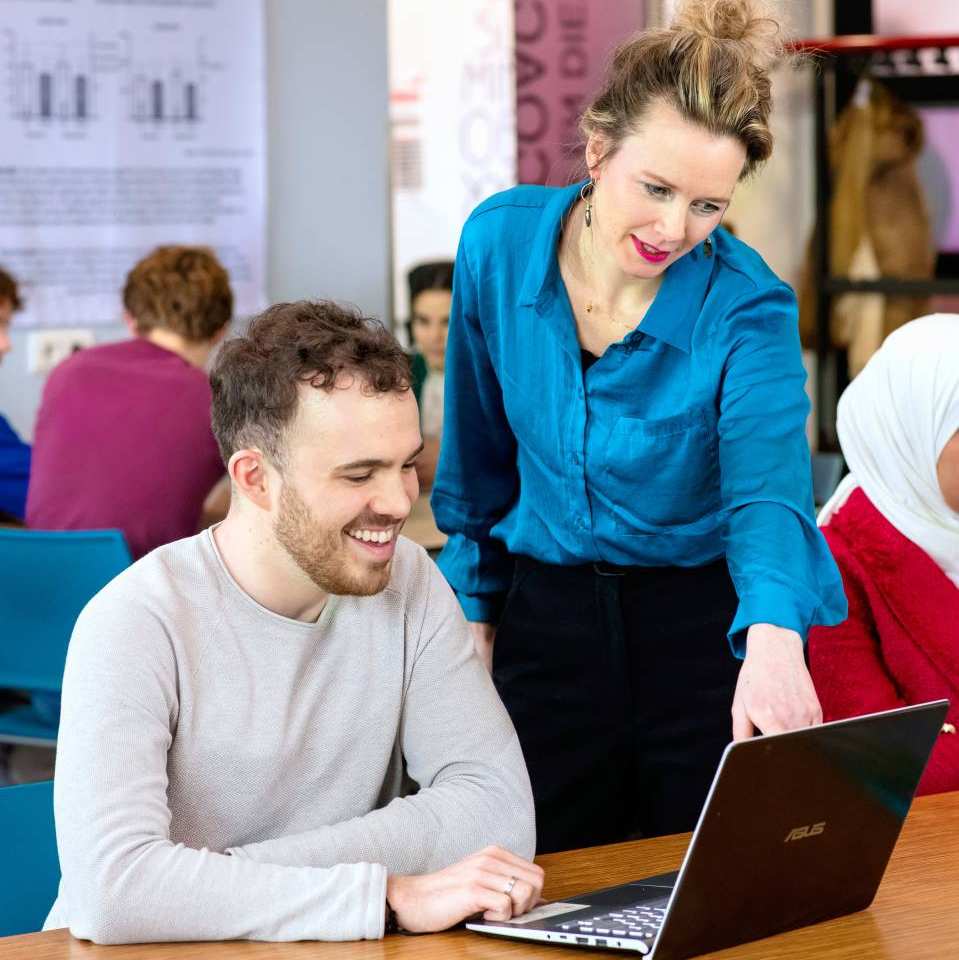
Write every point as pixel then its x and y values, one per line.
pixel 797 828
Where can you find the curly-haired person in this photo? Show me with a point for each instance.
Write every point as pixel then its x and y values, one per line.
pixel 123 435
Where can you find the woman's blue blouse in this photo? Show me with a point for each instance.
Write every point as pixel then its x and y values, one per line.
pixel 685 442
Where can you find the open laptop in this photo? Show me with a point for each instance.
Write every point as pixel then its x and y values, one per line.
pixel 797 828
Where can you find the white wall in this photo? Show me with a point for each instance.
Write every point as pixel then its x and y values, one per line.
pixel 906 17
pixel 328 99
pixel 328 227
pixel 774 211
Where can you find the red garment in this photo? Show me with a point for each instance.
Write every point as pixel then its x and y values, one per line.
pixel 900 643
pixel 123 439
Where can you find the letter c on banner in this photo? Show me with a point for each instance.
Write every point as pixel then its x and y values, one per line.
pixel 537 12
pixel 531 107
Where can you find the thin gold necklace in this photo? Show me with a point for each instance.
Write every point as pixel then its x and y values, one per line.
pixel 592 305
pixel 622 324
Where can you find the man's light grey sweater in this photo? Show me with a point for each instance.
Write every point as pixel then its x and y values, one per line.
pixel 224 772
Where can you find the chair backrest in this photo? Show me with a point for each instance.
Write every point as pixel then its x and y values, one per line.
pixel 29 865
pixel 827 471
pixel 46 578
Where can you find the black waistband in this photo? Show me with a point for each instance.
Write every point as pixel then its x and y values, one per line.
pixel 601 568
pixel 604 569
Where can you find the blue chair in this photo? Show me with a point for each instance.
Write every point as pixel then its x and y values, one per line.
pixel 47 579
pixel 29 866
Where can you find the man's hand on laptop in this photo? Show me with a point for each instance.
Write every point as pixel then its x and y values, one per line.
pixel 494 881
pixel 774 692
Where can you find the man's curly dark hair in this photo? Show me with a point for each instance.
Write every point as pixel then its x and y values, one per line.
pixel 256 377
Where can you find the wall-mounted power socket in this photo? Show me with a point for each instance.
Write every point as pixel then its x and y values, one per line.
pixel 46 348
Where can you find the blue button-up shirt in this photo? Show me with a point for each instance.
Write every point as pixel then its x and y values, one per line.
pixel 685 442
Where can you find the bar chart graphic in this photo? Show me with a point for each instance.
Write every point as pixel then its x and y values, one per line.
pixel 52 85
pixel 165 94
pixel 73 84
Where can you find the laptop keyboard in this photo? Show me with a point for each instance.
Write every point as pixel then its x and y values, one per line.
pixel 635 923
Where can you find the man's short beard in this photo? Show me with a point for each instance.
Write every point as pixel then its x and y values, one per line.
pixel 320 552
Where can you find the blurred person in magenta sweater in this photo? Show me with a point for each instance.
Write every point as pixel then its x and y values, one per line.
pixel 123 435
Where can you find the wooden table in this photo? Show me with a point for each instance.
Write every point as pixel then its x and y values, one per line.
pixel 914 917
pixel 421 527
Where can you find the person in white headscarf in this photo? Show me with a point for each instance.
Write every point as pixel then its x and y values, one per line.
pixel 893 528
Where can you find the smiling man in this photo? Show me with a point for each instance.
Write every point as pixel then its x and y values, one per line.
pixel 248 713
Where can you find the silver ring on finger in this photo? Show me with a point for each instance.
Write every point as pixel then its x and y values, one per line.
pixel 508 889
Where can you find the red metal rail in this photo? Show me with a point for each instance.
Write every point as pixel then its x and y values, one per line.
pixel 868 43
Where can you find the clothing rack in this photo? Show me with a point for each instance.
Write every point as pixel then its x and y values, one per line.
pixel 898 64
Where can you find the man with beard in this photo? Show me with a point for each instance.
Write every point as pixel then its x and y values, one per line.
pixel 248 713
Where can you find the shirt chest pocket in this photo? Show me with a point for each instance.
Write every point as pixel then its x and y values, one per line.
pixel 662 473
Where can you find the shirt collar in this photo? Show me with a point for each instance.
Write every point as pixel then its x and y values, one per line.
pixel 542 259
pixel 672 314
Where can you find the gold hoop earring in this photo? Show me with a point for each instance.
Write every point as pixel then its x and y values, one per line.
pixel 586 195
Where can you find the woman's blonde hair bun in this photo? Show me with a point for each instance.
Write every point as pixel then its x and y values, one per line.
pixel 711 64
pixel 752 23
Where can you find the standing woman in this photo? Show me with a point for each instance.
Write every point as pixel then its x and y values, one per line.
pixel 624 471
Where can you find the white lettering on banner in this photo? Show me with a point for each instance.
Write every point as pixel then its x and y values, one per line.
pixel 452 115
pixel 486 140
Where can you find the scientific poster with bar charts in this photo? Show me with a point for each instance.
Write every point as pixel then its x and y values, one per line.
pixel 126 124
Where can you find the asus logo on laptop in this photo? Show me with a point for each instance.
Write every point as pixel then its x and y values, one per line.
pixel 800 833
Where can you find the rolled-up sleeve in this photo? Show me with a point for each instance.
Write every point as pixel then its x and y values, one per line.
pixel 476 478
pixel 779 561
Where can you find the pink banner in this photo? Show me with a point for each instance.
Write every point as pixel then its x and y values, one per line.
pixel 562 50
pixel 939 172
pixel 939 166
